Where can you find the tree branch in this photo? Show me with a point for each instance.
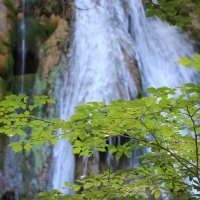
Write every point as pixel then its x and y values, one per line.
pixel 196 144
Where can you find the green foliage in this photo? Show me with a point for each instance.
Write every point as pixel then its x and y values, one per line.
pixel 165 122
pixel 173 11
pixel 17 118
pixel 195 62
pixel 156 122
pixel 11 9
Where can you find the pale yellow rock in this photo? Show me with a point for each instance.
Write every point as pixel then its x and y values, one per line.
pixel 131 63
pixel 195 21
pixel 6 25
pixel 3 18
pixel 1 88
pixel 3 63
pixel 50 52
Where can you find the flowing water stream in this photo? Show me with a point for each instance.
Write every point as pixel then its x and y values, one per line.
pixel 97 69
pixel 158 46
pixel 23 45
pixel 96 72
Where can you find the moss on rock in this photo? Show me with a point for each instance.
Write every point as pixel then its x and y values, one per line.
pixel 50 52
pixel 2 88
pixel 7 30
pixel 29 80
pixel 38 30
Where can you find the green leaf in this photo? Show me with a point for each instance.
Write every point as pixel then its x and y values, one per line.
pixel 195 62
pixel 76 188
pixel 88 185
pixel 16 146
pixel 157 194
pixel 68 184
pixel 112 149
pixel 51 101
pixel 76 150
pixel 42 194
pixel 118 155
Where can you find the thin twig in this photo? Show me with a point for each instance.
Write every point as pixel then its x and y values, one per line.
pixel 196 145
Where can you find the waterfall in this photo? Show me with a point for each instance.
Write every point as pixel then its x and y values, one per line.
pixel 97 69
pixel 23 45
pixel 158 46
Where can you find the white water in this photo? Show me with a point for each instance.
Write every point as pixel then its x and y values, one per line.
pixel 23 45
pixel 158 46
pixel 97 70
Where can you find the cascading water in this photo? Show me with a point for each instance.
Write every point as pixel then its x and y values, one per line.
pixel 97 69
pixel 22 53
pixel 158 46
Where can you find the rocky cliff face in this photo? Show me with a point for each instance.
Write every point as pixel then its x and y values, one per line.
pixel 194 27
pixel 7 24
pixel 51 50
pixel 47 32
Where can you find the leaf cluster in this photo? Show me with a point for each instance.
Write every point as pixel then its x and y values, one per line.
pixel 194 62
pixel 18 117
pixel 166 123
pixel 175 12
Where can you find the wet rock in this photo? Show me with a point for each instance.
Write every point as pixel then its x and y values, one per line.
pixel 48 7
pixel 4 29
pixel 195 22
pixel 8 195
pixel 2 88
pixel 194 26
pixel 6 38
pixel 3 18
pixel 131 63
pixel 51 50
pixel 28 83
pixel 3 63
